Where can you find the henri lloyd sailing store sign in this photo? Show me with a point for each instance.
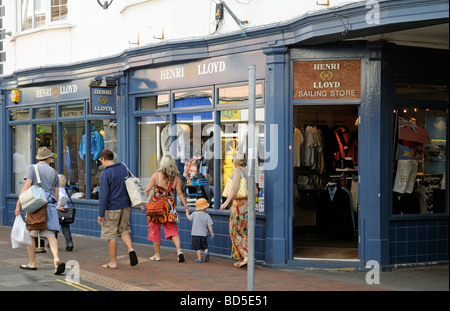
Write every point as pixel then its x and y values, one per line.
pixel 334 79
pixel 103 100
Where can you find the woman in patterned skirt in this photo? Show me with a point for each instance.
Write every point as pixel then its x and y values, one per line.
pixel 165 179
pixel 238 215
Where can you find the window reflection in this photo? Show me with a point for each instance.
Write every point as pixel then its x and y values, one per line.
pixel 420 160
pixel 21 155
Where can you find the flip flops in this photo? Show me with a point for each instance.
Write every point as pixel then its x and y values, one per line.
pixel 154 258
pixel 60 268
pixel 133 258
pixel 27 267
pixel 108 266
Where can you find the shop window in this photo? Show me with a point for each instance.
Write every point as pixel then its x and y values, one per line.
pixel 194 154
pixel 44 113
pixel 156 102
pixel 421 91
pixel 46 137
pixel 192 99
pixel 74 110
pixel 234 127
pixel 73 165
pixel 239 94
pixel 103 136
pixel 78 167
pixel 420 160
pixel 21 155
pixel 153 143
pixel 19 114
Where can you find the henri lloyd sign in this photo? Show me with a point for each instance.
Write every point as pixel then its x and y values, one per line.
pixel 193 70
pixel 327 79
pixel 198 72
pixel 56 90
pixel 103 100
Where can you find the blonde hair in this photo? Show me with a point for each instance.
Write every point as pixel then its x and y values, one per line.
pixel 240 159
pixel 62 180
pixel 168 167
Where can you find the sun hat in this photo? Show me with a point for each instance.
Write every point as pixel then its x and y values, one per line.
pixel 43 153
pixel 201 204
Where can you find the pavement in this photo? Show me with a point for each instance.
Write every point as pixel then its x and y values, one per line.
pixel 218 274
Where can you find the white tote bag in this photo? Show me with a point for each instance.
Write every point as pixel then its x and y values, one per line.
pixel 34 197
pixel 135 190
pixel 19 234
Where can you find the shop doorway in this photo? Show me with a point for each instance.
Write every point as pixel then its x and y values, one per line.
pixel 325 182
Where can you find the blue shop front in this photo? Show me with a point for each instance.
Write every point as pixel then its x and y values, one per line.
pixel 196 110
pixel 352 152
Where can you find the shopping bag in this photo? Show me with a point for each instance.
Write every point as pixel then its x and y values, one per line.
pixel 34 197
pixel 135 190
pixel 19 234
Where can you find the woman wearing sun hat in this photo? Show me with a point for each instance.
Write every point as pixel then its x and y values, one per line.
pixel 50 183
pixel 201 221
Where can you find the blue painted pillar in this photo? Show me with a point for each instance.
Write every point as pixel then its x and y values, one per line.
pixel 374 163
pixel 276 192
pixel 3 140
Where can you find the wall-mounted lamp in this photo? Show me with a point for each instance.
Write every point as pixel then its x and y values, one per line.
pixel 105 5
pixel 3 32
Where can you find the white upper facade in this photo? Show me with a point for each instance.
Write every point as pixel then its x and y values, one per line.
pixel 57 32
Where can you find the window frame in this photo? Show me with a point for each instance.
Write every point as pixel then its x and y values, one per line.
pixel 49 18
pixel 58 121
pixel 173 113
pixel 397 103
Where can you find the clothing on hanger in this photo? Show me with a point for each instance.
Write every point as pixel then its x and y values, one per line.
pixel 334 214
pixel 97 144
pixel 182 141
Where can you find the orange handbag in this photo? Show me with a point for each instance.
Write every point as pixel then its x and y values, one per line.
pixel 155 206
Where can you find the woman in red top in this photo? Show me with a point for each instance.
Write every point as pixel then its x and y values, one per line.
pixel 166 176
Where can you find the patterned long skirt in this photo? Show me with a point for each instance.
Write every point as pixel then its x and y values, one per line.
pixel 239 229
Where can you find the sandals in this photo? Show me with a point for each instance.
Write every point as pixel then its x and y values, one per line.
pixel 154 258
pixel 108 266
pixel 133 258
pixel 60 268
pixel 180 257
pixel 243 264
pixel 27 267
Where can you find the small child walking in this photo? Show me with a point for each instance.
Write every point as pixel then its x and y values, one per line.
pixel 201 221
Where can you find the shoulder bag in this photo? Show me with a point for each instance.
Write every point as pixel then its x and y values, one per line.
pixel 34 197
pixel 134 189
pixel 241 193
pixel 38 219
pixel 67 216
pixel 155 206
